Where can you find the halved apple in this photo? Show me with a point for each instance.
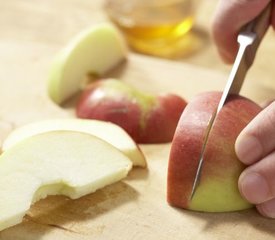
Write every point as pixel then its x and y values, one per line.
pixel 218 187
pixel 94 51
pixel 60 162
pixel 109 132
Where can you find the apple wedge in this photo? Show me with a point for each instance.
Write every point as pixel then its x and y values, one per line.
pixel 147 118
pixel 55 163
pixel 218 185
pixel 94 51
pixel 109 132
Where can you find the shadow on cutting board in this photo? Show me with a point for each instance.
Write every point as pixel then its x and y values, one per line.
pixel 73 216
pixel 244 219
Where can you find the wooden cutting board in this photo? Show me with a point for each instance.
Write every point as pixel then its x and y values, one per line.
pixel 135 208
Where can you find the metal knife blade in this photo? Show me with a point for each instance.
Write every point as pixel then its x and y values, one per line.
pixel 249 40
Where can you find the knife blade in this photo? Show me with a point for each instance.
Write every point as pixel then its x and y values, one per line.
pixel 249 40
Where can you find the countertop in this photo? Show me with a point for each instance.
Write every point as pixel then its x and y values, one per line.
pixel 32 32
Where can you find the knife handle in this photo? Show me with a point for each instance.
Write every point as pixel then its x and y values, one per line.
pixel 249 39
pixel 252 34
pixel 260 24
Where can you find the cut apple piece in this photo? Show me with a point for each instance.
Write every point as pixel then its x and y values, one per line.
pixel 55 163
pixel 94 51
pixel 218 185
pixel 147 118
pixel 109 132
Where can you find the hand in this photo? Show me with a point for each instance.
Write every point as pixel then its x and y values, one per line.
pixel 255 146
pixel 230 16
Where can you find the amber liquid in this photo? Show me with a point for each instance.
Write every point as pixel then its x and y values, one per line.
pixel 155 27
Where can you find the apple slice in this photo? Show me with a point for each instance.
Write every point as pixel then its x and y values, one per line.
pixel 109 132
pixel 55 163
pixel 94 51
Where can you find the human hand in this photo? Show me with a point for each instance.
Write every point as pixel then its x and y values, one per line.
pixel 230 17
pixel 255 146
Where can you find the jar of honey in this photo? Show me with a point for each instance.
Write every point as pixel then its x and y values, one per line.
pixel 155 27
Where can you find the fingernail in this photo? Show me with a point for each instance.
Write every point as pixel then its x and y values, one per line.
pixel 254 187
pixel 248 149
pixel 267 209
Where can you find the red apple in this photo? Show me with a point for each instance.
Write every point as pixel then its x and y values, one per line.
pixel 218 188
pixel 146 118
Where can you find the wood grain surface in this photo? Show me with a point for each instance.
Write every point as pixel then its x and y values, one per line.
pixel 136 208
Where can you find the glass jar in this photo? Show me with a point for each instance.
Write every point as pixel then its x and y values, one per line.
pixel 155 27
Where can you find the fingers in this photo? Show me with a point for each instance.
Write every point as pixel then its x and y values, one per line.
pixel 267 209
pixel 256 145
pixel 230 16
pixel 257 140
pixel 257 185
pixel 257 182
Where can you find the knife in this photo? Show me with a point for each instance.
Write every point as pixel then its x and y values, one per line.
pixel 249 40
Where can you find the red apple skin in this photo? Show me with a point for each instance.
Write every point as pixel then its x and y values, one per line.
pixel 147 119
pixel 162 120
pixel 220 160
pixel 119 111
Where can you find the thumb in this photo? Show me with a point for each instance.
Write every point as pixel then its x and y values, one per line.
pixel 257 139
pixel 230 16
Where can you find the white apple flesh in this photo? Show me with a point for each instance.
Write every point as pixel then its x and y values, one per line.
pixel 60 162
pixel 109 132
pixel 94 51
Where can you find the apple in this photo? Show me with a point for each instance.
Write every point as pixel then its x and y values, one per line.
pixel 109 132
pixel 218 186
pixel 55 163
pixel 94 51
pixel 146 118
